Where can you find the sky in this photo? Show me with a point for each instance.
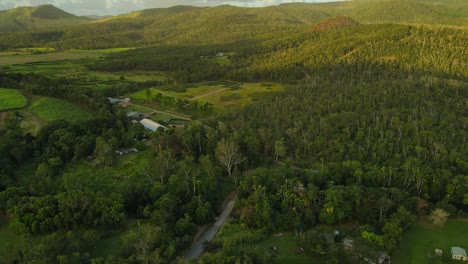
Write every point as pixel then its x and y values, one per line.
pixel 114 7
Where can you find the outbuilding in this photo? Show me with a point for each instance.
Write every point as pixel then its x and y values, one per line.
pixel 459 253
pixel 151 125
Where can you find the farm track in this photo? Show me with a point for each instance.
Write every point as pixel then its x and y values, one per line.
pixel 166 113
pixel 208 94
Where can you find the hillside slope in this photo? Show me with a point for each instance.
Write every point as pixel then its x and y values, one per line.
pixel 43 16
pixel 188 25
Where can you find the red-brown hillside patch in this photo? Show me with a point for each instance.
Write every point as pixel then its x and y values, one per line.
pixel 336 23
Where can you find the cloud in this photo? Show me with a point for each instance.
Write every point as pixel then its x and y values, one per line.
pixel 114 7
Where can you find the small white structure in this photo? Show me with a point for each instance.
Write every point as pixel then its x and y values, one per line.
pixel 151 125
pixel 459 253
pixel 438 252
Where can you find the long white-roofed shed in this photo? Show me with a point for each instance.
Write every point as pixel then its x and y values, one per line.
pixel 151 125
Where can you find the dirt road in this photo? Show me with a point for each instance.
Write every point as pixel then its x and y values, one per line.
pixel 209 233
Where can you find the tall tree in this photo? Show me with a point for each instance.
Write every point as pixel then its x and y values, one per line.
pixel 228 154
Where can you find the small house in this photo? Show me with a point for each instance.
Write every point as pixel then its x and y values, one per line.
pixel 438 252
pixel 459 253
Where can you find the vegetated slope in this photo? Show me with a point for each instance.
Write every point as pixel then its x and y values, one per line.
pixel 188 25
pixel 295 57
pixel 43 16
pixel 452 12
pixel 336 23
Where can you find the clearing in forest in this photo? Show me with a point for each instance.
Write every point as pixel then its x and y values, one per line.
pixel 52 109
pixel 420 241
pixel 11 99
pixel 220 95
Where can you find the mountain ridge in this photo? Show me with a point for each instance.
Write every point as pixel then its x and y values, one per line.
pixel 227 24
pixel 26 18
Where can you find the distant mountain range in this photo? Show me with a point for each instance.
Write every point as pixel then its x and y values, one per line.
pixel 50 26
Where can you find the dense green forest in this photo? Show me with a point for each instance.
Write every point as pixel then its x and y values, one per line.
pixel 369 137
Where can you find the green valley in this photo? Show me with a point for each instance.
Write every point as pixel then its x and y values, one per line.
pixel 295 133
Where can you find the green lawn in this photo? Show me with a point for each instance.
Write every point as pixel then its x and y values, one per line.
pixel 287 250
pixel 422 239
pixel 51 109
pixel 11 99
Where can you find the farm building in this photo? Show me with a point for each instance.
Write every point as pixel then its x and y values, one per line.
pixel 151 125
pixel 117 101
pixel 135 115
pixel 459 253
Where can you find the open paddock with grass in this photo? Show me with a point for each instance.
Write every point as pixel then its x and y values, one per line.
pixel 24 56
pixel 287 250
pixel 420 241
pixel 51 109
pixel 221 95
pixel 134 76
pixel 11 99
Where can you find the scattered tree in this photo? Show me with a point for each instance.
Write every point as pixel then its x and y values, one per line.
pixel 438 217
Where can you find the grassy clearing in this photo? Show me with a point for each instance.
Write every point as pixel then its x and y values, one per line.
pixel 287 249
pixel 11 99
pixel 136 76
pixel 220 95
pixel 55 56
pixel 22 56
pixel 422 239
pixel 52 109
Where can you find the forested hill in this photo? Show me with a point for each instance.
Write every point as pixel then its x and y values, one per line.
pixel 43 16
pixel 188 25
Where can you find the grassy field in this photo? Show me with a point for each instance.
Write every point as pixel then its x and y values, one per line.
pixel 22 57
pixel 51 109
pixel 221 95
pixel 422 239
pixel 11 99
pixel 287 250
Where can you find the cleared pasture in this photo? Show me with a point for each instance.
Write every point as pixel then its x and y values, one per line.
pixel 23 57
pixel 420 241
pixel 11 99
pixel 287 250
pixel 51 109
pixel 221 95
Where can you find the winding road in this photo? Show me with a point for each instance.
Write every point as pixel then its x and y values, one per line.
pixel 209 234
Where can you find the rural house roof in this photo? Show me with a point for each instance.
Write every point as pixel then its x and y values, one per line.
pixel 458 251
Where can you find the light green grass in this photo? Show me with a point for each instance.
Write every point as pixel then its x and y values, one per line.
pixel 54 56
pixel 22 57
pixel 101 51
pixel 11 99
pixel 221 96
pixel 136 76
pixel 287 250
pixel 422 239
pixel 52 109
